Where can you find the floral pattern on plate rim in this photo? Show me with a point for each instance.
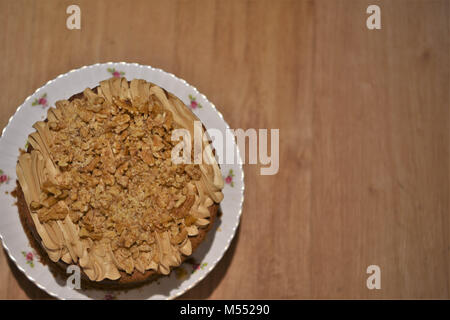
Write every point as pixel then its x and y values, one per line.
pixel 198 266
pixel 42 101
pixel 229 178
pixel 181 272
pixel 110 296
pixel 116 73
pixel 29 257
pixel 4 178
pixel 193 103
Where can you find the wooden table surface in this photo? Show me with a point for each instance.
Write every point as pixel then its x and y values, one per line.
pixel 363 118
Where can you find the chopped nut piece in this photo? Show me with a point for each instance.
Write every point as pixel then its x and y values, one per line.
pixel 49 202
pixel 189 220
pixel 92 164
pixel 51 188
pixel 85 115
pixel 147 157
pixel 53 125
pixel 193 171
pixel 120 119
pixel 180 201
pixel 183 210
pixel 157 143
pixel 35 205
pixel 84 132
pixel 56 212
pixel 123 181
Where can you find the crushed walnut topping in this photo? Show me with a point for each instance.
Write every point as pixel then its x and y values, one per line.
pixel 117 181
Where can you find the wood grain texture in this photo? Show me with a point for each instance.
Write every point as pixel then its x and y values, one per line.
pixel 363 118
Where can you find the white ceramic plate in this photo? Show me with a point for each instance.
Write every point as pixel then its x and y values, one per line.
pixel 35 108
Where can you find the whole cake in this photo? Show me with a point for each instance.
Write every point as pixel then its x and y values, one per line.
pixel 97 186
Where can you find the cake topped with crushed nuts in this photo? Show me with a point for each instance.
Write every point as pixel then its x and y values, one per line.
pixel 101 187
